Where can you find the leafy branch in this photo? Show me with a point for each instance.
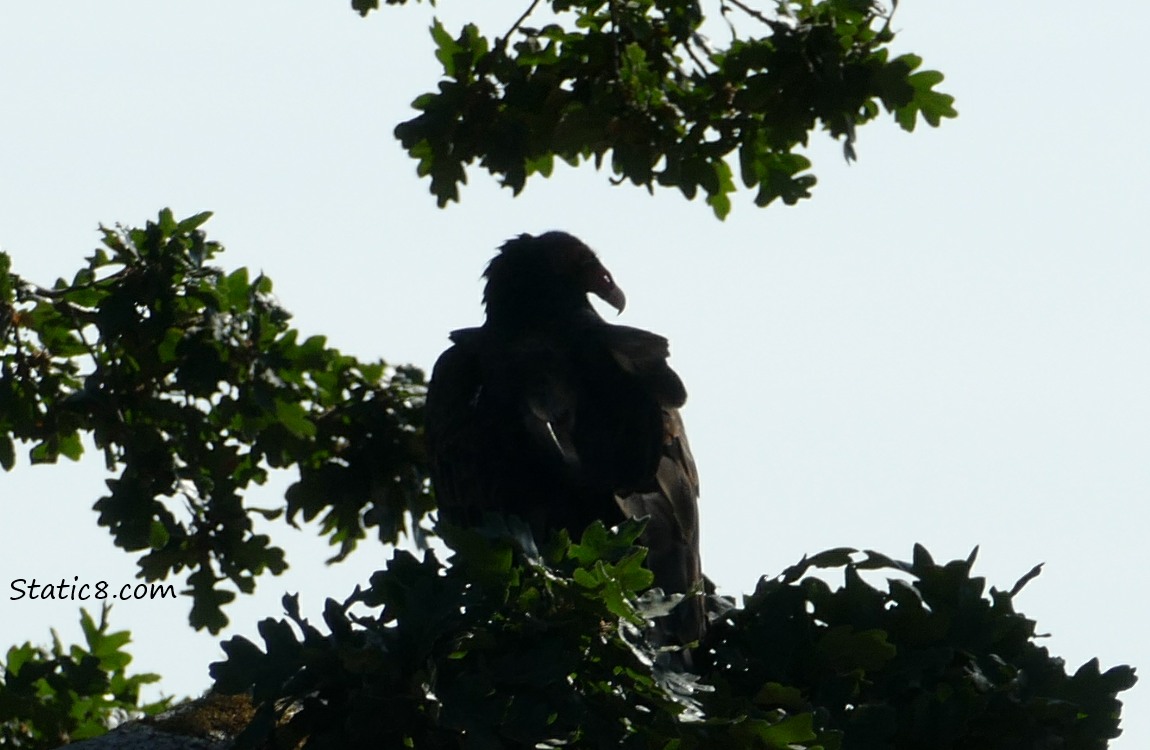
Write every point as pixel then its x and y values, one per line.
pixel 512 647
pixel 53 696
pixel 639 85
pixel 194 386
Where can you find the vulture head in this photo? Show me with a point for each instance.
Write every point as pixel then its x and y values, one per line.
pixel 550 413
pixel 546 278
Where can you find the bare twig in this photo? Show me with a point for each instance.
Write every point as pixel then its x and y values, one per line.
pixel 518 22
pixel 698 63
pixel 615 37
pixel 725 11
pixel 751 12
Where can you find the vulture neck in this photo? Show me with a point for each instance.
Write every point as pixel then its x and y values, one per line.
pixel 539 311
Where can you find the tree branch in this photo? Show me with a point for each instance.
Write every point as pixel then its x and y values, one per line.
pixel 518 22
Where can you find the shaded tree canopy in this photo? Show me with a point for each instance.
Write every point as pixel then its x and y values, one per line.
pixel 509 648
pixel 59 694
pixel 645 87
pixel 194 385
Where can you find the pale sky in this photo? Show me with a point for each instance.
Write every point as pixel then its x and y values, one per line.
pixel 947 345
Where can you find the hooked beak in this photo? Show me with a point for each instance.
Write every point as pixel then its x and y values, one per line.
pixel 615 298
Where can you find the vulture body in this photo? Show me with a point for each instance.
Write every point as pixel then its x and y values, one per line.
pixel 550 413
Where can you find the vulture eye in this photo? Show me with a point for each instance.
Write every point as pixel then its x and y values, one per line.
pixel 600 283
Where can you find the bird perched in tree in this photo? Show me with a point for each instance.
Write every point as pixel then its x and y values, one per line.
pixel 550 413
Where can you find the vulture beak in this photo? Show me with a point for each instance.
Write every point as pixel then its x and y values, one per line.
pixel 615 298
pixel 597 280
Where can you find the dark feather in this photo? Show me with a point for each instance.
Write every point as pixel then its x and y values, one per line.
pixel 550 413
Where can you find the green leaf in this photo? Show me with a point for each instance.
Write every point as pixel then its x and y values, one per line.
pixel 159 536
pixel 71 446
pixel 789 732
pixel 591 578
pixel 363 7
pixel 166 349
pixel 776 695
pixel 932 105
pixel 832 558
pixel 630 572
pixel 720 189
pixel 868 650
pixel 446 48
pixel 43 452
pixel 7 292
pixel 237 290
pixel 167 222
pixel 295 418
pixel 1030 576
pixel 192 222
pixel 922 561
pixel 7 453
pixel 543 165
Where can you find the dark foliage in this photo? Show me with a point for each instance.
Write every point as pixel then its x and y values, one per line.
pixel 931 661
pixel 194 385
pixel 508 648
pixel 641 82
pixel 51 697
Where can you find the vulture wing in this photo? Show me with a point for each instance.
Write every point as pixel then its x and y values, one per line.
pixel 669 497
pixel 502 437
pixel 552 414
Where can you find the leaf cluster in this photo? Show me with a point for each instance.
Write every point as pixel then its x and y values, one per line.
pixel 51 697
pixel 504 647
pixel 193 384
pixel 510 648
pixel 931 661
pixel 638 84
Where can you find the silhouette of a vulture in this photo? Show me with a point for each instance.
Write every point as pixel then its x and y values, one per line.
pixel 550 413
